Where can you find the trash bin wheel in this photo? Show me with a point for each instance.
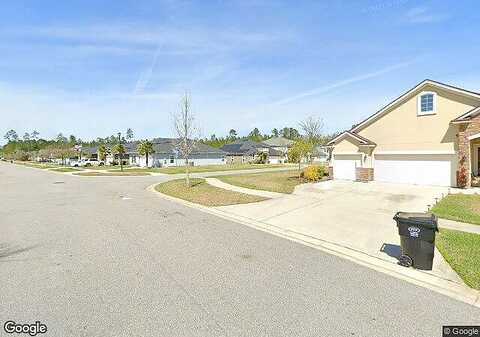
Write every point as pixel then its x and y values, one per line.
pixel 405 261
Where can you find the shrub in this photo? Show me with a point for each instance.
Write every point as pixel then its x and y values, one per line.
pixel 322 171
pixel 261 158
pixel 311 173
pixel 314 172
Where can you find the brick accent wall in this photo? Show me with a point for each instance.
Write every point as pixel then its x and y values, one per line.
pixel 330 172
pixel 465 131
pixel 364 174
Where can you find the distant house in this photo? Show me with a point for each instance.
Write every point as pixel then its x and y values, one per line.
pixel 166 154
pixel 280 147
pixel 279 143
pixel 248 151
pixel 90 152
pixel 242 151
pixel 320 154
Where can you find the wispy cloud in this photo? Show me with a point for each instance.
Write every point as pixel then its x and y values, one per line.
pixel 342 83
pixel 424 15
pixel 175 41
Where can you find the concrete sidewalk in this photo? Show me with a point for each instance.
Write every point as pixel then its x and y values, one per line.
pixel 220 184
pixel 459 226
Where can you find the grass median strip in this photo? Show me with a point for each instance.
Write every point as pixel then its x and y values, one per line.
pixel 112 174
pixel 65 169
pixel 281 182
pixel 204 194
pixel 207 168
pixel 462 251
pixel 459 207
pixel 38 165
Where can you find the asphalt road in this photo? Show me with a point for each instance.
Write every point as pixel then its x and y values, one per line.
pixel 101 256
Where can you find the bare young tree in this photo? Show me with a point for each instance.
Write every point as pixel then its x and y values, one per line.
pixel 312 128
pixel 186 131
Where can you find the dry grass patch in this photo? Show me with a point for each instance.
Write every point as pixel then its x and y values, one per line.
pixel 281 182
pixel 207 168
pixel 204 194
pixel 66 169
pixel 112 174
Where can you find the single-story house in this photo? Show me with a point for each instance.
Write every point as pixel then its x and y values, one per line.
pixel 248 151
pixel 275 156
pixel 167 154
pixel 430 135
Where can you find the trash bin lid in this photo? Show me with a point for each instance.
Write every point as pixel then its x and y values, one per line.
pixel 426 220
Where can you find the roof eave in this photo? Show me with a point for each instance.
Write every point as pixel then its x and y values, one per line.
pixel 407 94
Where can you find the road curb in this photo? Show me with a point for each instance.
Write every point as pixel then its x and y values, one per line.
pixel 445 287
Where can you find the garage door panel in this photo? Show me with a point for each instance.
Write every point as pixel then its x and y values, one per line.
pixel 416 169
pixel 344 166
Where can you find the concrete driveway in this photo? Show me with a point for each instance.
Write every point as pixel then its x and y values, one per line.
pixel 355 215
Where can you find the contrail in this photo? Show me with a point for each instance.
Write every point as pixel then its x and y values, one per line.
pixel 146 75
pixel 326 88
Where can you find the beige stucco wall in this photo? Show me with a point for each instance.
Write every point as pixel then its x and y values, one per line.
pixel 350 146
pixel 402 130
pixel 346 145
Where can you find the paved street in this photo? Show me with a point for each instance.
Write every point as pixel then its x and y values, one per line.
pixel 102 256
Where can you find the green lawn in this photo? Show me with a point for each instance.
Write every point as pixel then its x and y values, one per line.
pixel 459 207
pixel 206 168
pixel 462 252
pixel 112 174
pixel 66 169
pixel 282 182
pixel 108 167
pixel 202 193
pixel 37 165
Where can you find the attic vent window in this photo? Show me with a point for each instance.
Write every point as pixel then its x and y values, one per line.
pixel 427 104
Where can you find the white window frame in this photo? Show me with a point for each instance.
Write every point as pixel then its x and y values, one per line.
pixel 419 104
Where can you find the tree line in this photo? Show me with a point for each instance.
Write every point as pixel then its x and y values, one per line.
pixel 31 145
pixel 286 132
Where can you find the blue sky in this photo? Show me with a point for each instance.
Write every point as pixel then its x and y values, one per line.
pixel 93 68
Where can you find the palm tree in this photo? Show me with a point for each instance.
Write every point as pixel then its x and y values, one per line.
pixel 145 148
pixel 119 150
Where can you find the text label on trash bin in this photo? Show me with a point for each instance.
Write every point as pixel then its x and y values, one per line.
pixel 414 231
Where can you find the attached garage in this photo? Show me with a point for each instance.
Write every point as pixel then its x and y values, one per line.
pixel 344 166
pixel 417 169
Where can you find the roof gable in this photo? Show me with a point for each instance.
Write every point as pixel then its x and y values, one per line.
pixel 278 141
pixel 407 95
pixel 361 140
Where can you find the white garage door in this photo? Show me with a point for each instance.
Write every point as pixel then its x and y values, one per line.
pixel 433 169
pixel 344 166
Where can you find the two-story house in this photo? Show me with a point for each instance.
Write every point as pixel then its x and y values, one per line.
pixel 430 135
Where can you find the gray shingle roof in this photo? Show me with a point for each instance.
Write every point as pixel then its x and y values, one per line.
pixel 243 147
pixel 278 141
pixel 168 145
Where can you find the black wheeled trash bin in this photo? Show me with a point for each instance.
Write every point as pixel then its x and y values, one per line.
pixel 417 238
